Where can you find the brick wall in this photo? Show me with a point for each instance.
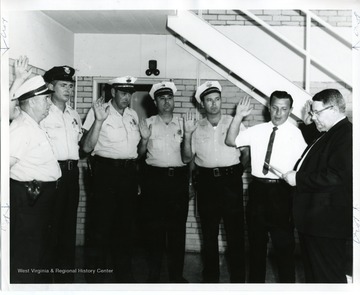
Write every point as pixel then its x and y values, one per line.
pixel 336 18
pixel 183 102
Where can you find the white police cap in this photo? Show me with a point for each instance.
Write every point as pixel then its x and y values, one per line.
pixel 124 83
pixel 34 86
pixel 206 88
pixel 162 89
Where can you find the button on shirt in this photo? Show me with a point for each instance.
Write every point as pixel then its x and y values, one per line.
pixel 163 149
pixel 119 134
pixel 64 130
pixel 31 147
pixel 208 144
pixel 288 146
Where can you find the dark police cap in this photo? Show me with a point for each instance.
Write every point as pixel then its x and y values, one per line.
pixel 63 73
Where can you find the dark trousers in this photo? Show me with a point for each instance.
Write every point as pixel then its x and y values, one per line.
pixel 221 197
pixel 110 213
pixel 31 247
pixel 269 212
pixel 165 201
pixel 65 219
pixel 324 259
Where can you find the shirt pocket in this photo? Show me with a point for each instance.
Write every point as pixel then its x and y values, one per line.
pixel 54 130
pixel 114 132
pixel 157 142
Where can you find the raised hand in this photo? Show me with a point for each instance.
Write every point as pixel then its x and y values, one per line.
pixel 101 109
pixel 21 68
pixel 307 109
pixel 244 107
pixel 145 131
pixel 190 123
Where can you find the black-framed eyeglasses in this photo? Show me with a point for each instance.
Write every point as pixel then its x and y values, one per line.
pixel 312 113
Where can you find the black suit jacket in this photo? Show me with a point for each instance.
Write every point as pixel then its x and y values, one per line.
pixel 323 195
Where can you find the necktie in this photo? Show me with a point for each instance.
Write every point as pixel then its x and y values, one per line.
pixel 268 152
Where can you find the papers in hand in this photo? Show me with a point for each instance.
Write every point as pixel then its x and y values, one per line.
pixel 275 170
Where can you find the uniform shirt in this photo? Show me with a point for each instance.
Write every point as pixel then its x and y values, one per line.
pixel 288 146
pixel 119 134
pixel 31 147
pixel 208 144
pixel 163 149
pixel 64 130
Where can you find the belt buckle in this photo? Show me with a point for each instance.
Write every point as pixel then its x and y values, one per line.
pixel 70 165
pixel 171 172
pixel 216 172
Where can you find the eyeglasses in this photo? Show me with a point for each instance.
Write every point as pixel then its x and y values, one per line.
pixel 312 113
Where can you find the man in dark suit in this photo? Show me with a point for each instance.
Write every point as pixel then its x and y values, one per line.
pixel 323 191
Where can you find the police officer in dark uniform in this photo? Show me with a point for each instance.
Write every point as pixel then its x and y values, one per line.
pixel 165 186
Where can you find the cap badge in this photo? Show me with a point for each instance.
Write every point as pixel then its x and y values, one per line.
pixel 67 70
pixel 128 79
pixel 208 84
pixel 163 85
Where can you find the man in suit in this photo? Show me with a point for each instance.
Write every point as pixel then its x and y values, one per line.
pixel 323 191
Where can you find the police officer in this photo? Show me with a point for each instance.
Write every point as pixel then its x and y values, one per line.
pixel 165 186
pixel 220 191
pixel 112 136
pixel 34 172
pixel 63 125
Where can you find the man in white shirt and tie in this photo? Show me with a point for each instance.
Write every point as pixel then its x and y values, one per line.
pixel 274 147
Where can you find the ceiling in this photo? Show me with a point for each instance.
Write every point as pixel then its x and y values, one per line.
pixel 112 21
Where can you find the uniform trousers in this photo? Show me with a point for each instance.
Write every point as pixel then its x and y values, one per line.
pixel 110 212
pixel 324 259
pixel 165 201
pixel 269 212
pixel 220 196
pixel 31 247
pixel 65 219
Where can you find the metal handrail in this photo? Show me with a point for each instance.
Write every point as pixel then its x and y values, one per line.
pixel 305 52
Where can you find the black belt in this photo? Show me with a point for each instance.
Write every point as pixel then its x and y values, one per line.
pixel 168 171
pixel 43 184
pixel 268 180
pixel 221 171
pixel 124 163
pixel 68 164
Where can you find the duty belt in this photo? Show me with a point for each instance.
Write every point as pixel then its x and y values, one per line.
pixel 221 171
pixel 68 164
pixel 124 163
pixel 169 171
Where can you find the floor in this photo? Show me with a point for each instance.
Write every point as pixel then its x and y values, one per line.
pixel 192 268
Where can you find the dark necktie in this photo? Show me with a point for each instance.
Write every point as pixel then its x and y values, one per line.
pixel 268 152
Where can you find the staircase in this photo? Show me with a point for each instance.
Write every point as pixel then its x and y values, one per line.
pixel 231 61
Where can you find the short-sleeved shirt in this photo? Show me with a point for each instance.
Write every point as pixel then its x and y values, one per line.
pixel 208 144
pixel 164 146
pixel 119 134
pixel 287 148
pixel 65 131
pixel 31 147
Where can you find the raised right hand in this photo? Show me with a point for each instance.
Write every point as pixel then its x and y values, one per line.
pixel 101 109
pixel 190 123
pixel 244 107
pixel 21 68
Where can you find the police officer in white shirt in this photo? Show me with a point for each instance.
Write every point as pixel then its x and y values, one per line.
pixel 34 172
pixel 165 186
pixel 63 125
pixel 275 147
pixel 112 136
pixel 220 190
